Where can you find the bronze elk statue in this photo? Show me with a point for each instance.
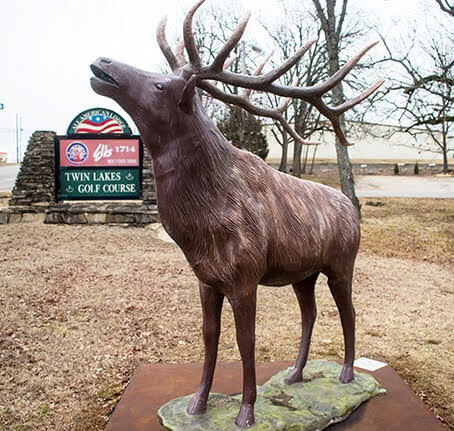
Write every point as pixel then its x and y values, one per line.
pixel 239 222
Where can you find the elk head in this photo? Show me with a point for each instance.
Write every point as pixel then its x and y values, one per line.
pixel 155 101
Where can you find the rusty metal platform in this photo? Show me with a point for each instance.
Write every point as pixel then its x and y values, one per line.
pixel 152 385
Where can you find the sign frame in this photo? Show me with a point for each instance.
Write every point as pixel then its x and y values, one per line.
pixel 93 136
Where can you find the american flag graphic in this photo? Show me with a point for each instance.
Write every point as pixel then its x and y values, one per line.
pixel 98 124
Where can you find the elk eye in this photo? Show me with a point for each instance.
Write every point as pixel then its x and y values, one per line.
pixel 159 86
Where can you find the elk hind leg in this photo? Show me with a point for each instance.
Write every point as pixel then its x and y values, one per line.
pixel 341 289
pixel 305 293
pixel 244 310
pixel 211 301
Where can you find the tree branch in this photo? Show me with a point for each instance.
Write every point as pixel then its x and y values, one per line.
pixel 446 7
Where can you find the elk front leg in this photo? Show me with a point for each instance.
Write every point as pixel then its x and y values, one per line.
pixel 211 301
pixel 244 310
pixel 305 293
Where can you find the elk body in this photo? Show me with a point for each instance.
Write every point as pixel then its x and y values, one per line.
pixel 239 222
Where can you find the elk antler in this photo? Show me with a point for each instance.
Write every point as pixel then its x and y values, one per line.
pixel 164 46
pixel 176 60
pixel 244 102
pixel 263 82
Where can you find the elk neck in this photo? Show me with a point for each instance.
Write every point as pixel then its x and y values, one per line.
pixel 192 160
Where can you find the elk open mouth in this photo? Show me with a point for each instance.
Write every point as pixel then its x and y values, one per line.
pixel 103 76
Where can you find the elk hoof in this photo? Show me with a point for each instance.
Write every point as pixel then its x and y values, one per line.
pixel 346 375
pixel 245 417
pixel 197 405
pixel 294 376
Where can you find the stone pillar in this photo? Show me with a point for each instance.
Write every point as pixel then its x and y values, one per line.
pixel 35 182
pixel 148 187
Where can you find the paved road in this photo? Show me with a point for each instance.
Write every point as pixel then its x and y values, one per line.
pixel 8 176
pixel 403 186
pixel 366 185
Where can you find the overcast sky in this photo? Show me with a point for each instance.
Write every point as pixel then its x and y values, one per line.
pixel 47 46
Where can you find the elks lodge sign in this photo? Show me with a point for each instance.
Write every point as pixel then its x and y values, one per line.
pixel 98 159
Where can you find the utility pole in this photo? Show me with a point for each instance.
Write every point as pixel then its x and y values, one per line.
pixel 18 130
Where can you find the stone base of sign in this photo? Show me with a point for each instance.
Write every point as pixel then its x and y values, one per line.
pixel 132 213
pixel 153 385
pixel 35 212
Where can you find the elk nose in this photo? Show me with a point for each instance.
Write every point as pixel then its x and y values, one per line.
pixel 105 60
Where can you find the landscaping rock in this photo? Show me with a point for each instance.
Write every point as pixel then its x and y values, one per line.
pixel 312 405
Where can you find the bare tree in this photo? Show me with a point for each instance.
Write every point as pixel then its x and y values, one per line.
pixel 420 93
pixel 332 24
pixel 288 34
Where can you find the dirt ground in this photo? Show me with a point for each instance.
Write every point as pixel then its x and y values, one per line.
pixel 82 306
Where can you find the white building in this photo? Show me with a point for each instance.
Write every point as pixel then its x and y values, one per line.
pixel 371 143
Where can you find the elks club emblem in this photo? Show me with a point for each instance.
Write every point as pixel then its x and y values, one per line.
pixel 77 152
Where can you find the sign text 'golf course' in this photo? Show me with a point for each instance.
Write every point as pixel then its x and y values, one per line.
pixel 77 183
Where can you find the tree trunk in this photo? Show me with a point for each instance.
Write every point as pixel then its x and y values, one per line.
pixel 296 171
pixel 313 160
pixel 332 36
pixel 344 166
pixel 347 182
pixel 306 153
pixel 241 130
pixel 284 156
pixel 445 154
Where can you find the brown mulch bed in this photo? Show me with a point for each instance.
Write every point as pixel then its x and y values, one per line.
pixel 82 306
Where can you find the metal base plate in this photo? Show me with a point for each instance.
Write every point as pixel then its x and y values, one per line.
pixel 152 385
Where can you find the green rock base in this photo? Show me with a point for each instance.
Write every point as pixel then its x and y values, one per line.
pixel 311 405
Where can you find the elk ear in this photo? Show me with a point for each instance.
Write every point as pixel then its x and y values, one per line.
pixel 186 102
